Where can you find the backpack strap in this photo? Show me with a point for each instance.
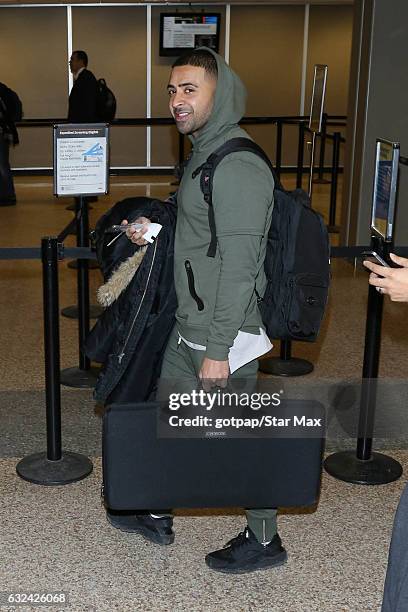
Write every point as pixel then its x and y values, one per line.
pixel 207 170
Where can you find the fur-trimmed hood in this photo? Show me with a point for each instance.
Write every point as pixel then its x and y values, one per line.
pixel 120 279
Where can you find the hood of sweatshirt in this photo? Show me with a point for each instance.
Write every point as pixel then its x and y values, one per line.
pixel 229 105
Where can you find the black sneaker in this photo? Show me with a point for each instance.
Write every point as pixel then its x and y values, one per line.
pixel 156 530
pixel 245 554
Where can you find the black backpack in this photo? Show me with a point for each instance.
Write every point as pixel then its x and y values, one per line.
pixel 297 262
pixel 12 103
pixel 106 102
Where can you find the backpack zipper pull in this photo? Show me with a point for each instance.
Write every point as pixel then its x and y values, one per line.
pixel 120 357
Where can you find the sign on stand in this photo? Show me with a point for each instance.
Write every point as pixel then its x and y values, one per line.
pixel 81 159
pixel 385 188
pixel 318 95
pixel 316 112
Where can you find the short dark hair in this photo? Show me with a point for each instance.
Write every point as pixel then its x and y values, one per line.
pixel 200 58
pixel 82 56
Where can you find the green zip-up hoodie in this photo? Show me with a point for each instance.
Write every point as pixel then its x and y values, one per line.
pixel 216 296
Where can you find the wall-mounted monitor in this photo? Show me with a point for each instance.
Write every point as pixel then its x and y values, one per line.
pixel 180 32
pixel 385 188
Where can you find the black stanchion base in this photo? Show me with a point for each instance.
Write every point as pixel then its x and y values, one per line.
pixel 80 379
pixel 71 312
pixel 333 229
pixel 38 469
pixel 380 469
pixel 321 181
pixel 285 367
pixel 92 264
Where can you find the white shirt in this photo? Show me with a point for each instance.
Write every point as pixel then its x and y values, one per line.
pixel 76 75
pixel 246 348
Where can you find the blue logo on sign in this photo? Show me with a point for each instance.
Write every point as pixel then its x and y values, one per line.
pixel 95 153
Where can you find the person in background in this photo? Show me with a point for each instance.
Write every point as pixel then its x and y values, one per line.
pixel 10 111
pixel 83 99
pixel 394 282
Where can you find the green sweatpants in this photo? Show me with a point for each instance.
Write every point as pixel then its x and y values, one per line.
pixel 183 363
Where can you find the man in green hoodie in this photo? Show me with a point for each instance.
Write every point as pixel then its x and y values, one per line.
pixel 219 332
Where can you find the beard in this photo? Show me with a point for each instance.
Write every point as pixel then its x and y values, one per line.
pixel 192 122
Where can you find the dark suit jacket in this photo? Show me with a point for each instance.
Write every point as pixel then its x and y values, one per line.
pixel 82 106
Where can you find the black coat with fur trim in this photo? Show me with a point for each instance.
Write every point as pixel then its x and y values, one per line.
pixel 130 336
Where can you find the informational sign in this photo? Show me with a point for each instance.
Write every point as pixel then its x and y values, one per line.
pixel 81 159
pixel 385 188
pixel 318 95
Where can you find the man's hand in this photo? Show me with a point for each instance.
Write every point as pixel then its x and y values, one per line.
pixel 136 235
pixel 392 281
pixel 214 373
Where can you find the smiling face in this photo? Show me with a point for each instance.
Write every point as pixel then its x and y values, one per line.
pixel 191 90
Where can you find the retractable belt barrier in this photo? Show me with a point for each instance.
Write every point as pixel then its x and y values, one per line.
pixel 53 467
pixel 279 121
pixel 16 253
pixel 57 467
pixel 286 364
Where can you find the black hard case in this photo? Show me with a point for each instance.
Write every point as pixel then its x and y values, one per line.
pixel 143 471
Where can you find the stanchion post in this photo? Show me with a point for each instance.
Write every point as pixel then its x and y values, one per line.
pixel 278 164
pixel 322 152
pixel 83 282
pixel 311 169
pixel 84 376
pixel 49 253
pixel 332 228
pixel 300 157
pixel 362 466
pixel 322 146
pixel 285 364
pixel 371 362
pixel 286 350
pixel 82 236
pixel 53 467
